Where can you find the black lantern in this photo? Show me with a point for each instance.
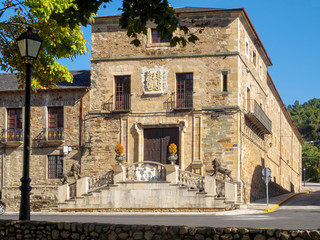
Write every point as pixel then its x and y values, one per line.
pixel 29 45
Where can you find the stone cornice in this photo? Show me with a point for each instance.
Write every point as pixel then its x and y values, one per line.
pixel 189 55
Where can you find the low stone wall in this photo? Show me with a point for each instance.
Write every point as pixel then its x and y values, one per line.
pixel 82 231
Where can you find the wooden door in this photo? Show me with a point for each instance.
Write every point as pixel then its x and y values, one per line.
pixel 157 141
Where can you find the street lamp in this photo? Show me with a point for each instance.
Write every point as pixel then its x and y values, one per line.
pixel 304 176
pixel 29 45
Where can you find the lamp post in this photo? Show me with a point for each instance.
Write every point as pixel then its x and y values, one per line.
pixel 304 176
pixel 29 45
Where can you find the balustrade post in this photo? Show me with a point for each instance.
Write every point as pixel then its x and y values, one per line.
pixel 230 191
pixel 82 186
pixel 119 173
pixel 172 173
pixel 210 186
pixel 63 193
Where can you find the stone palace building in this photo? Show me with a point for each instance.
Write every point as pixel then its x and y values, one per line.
pixel 213 99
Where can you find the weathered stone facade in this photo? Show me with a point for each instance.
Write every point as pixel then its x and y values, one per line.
pixel 44 188
pixel 234 112
pixel 221 122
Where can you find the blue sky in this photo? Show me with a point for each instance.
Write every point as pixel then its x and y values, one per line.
pixel 288 29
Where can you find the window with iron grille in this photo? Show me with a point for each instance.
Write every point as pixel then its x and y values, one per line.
pixel 184 90
pixel 156 37
pixel 14 127
pixel 55 166
pixel 55 123
pixel 122 93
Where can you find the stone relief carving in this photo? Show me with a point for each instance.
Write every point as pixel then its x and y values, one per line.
pixel 154 81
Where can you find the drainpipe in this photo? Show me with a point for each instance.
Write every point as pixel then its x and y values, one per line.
pixel 81 129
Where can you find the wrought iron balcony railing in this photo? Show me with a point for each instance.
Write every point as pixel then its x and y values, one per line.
pixel 122 102
pixel 180 101
pixel 53 134
pixel 259 117
pixel 12 135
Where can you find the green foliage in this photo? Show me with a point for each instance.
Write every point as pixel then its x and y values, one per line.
pixel 58 23
pixel 311 161
pixel 307 119
pixel 58 41
pixel 137 13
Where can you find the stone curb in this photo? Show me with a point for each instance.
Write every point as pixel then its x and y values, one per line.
pixel 283 201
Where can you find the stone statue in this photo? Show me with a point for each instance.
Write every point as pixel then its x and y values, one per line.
pixel 74 172
pixel 216 164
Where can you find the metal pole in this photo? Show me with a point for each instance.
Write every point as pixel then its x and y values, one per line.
pixel 304 177
pixel 267 193
pixel 25 180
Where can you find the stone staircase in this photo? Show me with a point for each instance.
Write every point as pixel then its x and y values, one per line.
pixel 170 189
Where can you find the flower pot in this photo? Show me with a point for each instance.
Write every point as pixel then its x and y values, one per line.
pixel 120 158
pixel 173 158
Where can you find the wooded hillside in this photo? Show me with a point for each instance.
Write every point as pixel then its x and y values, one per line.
pixel 307 119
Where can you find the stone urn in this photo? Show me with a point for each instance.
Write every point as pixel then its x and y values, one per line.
pixel 173 158
pixel 120 158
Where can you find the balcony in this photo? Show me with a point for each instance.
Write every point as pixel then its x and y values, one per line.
pixel 122 103
pixel 258 117
pixel 12 137
pixel 181 101
pixel 51 136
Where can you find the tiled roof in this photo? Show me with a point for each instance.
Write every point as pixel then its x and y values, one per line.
pixel 8 81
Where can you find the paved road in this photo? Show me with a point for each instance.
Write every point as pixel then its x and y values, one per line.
pixel 301 212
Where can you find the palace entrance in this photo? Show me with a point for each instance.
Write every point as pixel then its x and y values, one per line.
pixel 157 141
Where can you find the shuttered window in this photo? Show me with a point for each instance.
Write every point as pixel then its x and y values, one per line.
pixel 55 123
pixel 184 90
pixel 122 92
pixel 55 166
pixel 14 127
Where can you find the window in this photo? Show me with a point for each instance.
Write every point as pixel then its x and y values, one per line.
pixel 254 58
pixel 122 93
pixel 224 81
pixel 55 166
pixel 55 123
pixel 155 36
pixel 14 128
pixel 184 90
pixel 247 48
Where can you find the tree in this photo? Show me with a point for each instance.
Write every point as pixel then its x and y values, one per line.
pixel 307 119
pixel 58 23
pixel 311 161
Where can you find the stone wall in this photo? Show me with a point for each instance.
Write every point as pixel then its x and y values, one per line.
pixel 77 231
pixel 44 189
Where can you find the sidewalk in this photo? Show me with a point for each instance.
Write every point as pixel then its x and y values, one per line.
pixel 274 202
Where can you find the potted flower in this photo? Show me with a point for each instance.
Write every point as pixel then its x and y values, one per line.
pixel 173 153
pixel 119 153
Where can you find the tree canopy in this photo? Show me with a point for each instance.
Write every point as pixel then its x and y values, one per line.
pixel 307 119
pixel 58 24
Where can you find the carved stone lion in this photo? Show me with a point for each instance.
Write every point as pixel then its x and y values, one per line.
pixel 216 165
pixel 74 172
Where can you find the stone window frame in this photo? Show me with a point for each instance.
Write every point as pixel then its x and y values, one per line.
pixel 150 43
pixel 223 72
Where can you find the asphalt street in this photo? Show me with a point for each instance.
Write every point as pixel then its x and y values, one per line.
pixel 300 212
